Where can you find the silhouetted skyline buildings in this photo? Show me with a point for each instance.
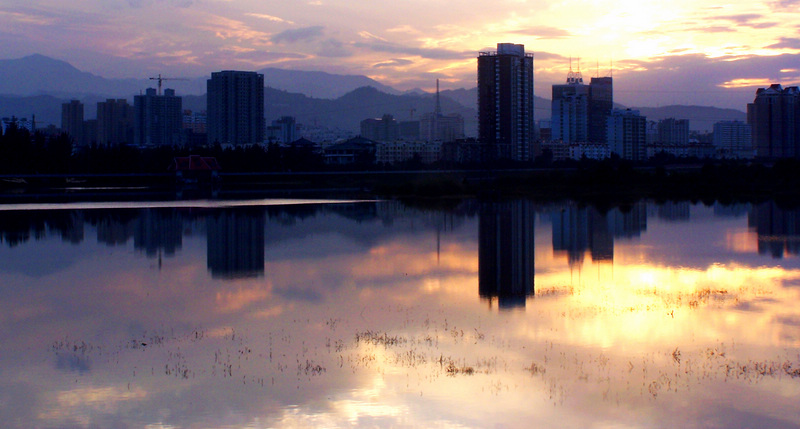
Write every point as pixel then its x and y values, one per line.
pixel 235 102
pixel 583 122
pixel 774 116
pixel 158 119
pixel 506 127
pixel 72 120
pixel 601 103
pixel 115 121
pixel 569 108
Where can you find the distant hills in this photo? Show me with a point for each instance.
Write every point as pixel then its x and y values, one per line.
pixel 700 117
pixel 38 74
pixel 347 111
pixel 38 85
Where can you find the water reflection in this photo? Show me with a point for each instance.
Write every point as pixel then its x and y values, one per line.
pixel 778 229
pixel 236 243
pixel 506 252
pixel 374 314
pixel 581 229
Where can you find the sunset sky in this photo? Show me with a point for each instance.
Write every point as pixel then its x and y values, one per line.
pixel 703 52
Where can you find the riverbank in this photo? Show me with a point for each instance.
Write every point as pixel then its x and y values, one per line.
pixel 598 181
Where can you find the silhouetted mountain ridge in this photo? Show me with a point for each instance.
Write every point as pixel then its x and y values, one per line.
pixel 37 74
pixel 317 84
pixel 701 118
pixel 37 84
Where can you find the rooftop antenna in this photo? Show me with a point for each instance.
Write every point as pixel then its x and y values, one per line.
pixel 611 65
pixel 438 103
pixel 574 77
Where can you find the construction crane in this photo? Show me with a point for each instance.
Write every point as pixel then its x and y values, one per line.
pixel 160 79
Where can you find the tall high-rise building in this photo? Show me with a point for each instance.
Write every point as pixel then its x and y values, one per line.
pixel 627 134
pixel 601 102
pixel 236 107
pixel 733 139
pixel 114 122
pixel 505 103
pixel 570 110
pixel 774 116
pixel 158 119
pixel 72 121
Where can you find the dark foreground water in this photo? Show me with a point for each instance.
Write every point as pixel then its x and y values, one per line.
pixel 516 314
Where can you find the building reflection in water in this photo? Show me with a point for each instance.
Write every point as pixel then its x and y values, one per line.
pixel 581 229
pixel 157 231
pixel 236 243
pixel 778 229
pixel 114 228
pixel 674 211
pixel 506 252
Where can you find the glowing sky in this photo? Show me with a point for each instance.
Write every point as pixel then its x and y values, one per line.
pixel 699 52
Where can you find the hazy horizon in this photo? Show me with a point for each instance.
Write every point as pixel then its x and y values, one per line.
pixel 187 86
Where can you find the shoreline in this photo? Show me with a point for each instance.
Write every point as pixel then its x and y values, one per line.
pixel 599 182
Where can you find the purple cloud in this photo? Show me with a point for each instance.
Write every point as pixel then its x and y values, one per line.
pixel 393 48
pixel 786 43
pixel 298 34
pixel 396 62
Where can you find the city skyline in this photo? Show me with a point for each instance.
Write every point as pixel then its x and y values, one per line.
pixel 735 48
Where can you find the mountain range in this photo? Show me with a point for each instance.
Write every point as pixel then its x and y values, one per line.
pixel 38 85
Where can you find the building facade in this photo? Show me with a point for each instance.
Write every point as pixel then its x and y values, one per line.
pixel 673 131
pixel 196 122
pixel 626 134
pixel 437 127
pixel 19 123
pixel 569 119
pixel 601 103
pixel 400 151
pixel 158 119
pixel 114 122
pixel 505 103
pixel 72 121
pixel 443 128
pixel 383 129
pixel 283 130
pixel 774 116
pixel 235 108
pixel 733 139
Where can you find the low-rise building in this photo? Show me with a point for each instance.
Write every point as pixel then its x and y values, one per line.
pixel 400 151
pixel 357 150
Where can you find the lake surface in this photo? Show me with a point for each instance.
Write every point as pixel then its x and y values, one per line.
pixel 271 313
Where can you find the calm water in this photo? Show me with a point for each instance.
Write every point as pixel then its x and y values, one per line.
pixel 516 314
